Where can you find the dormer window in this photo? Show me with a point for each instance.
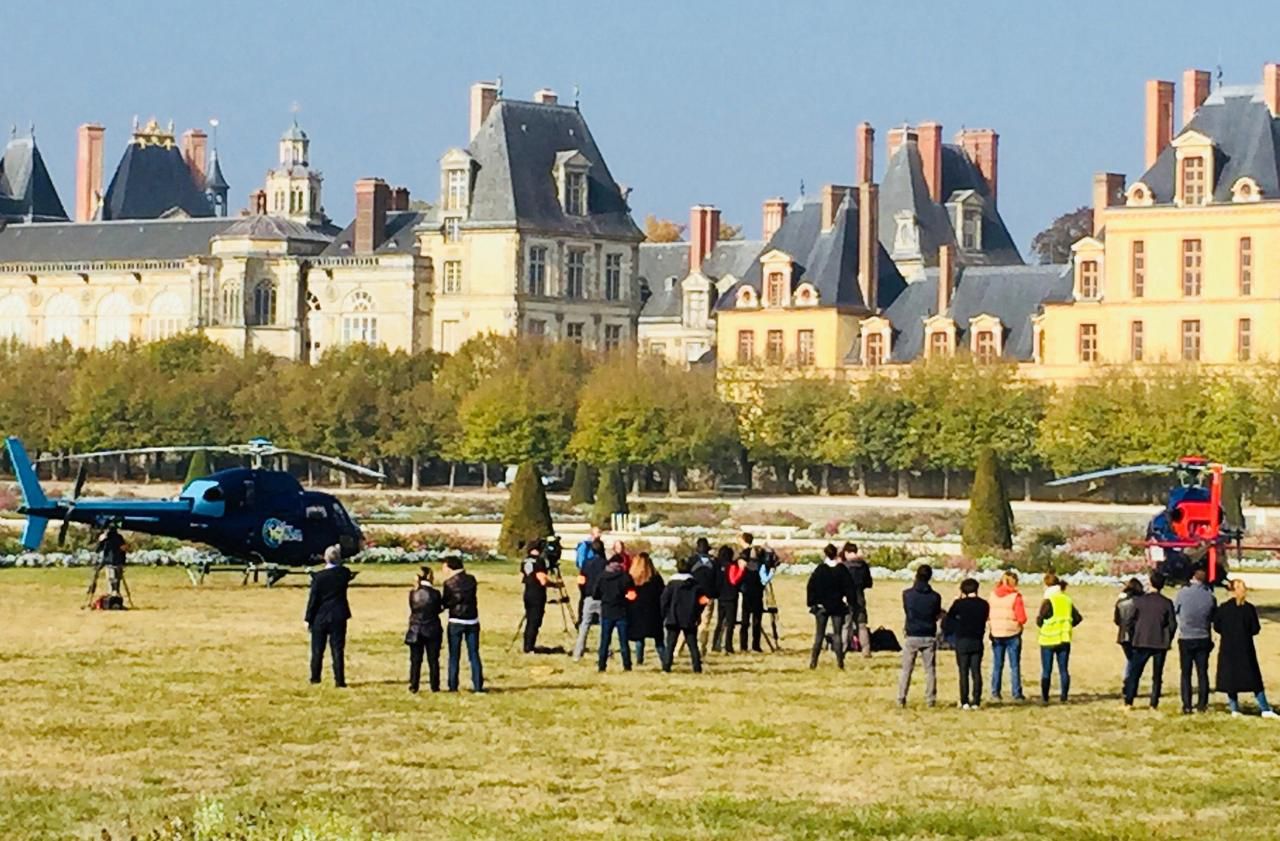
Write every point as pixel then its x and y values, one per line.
pixel 575 193
pixel 746 297
pixel 939 343
pixel 1193 180
pixel 1245 190
pixel 775 289
pixel 696 308
pixel 456 189
pixel 875 350
pixel 906 235
pixel 571 181
pixel 984 346
pixel 1194 172
pixel 455 182
pixel 965 207
pixel 986 341
pixel 1089 279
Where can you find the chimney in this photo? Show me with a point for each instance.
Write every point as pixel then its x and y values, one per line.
pixel 869 243
pixel 194 143
pixel 946 276
pixel 982 145
pixel 483 96
pixel 866 142
pixel 1195 90
pixel 832 196
pixel 372 198
pixel 1159 119
pixel 704 233
pixel 258 203
pixel 1271 87
pixel 775 213
pixel 930 145
pixel 1108 191
pixel 545 96
pixel 399 200
pixel 897 136
pixel 88 170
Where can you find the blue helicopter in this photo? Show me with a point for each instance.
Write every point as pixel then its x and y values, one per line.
pixel 263 518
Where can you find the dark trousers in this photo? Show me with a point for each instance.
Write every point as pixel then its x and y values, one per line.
pixel 335 636
pixel 639 645
pixel 1195 653
pixel 1140 658
pixel 820 637
pixel 969 662
pixel 1127 648
pixel 431 647
pixel 690 641
pixel 726 618
pixel 752 617
pixel 533 613
pixel 609 627
pixel 470 634
pixel 1060 654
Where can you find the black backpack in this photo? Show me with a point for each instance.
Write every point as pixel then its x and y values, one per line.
pixel 882 639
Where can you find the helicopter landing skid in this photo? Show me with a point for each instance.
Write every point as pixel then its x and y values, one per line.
pixel 269 574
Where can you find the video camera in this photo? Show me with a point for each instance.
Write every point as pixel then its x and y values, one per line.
pixel 552 551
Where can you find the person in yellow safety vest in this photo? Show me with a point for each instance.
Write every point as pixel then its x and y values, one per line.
pixel 1057 619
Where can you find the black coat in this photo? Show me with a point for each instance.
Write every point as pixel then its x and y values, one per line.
pixel 327 601
pixel 460 596
pixel 425 604
pixel 1153 622
pixel 611 589
pixel 704 572
pixel 922 606
pixel 830 590
pixel 1238 669
pixel 682 603
pixel 644 615
pixel 967 618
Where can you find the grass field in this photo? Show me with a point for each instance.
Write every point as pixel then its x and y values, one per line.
pixel 124 720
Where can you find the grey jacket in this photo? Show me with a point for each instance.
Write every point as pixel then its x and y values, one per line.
pixel 1195 607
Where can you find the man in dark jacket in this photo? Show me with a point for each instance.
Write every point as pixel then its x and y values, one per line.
pixel 967 622
pixel 729 572
pixel 751 588
pixel 464 622
pixel 614 590
pixel 860 574
pixel 1151 628
pixel 922 608
pixel 588 577
pixel 703 570
pixel 533 574
pixel 682 603
pixel 828 595
pixel 425 633
pixel 327 615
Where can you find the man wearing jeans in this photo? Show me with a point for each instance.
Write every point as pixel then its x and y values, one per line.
pixel 922 608
pixel 588 577
pixel 1195 608
pixel 464 623
pixel 1152 627
pixel 1008 617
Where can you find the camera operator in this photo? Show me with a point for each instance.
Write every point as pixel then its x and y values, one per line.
pixel 758 566
pixel 533 574
pixel 702 568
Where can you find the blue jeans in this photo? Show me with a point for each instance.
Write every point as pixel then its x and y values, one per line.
pixel 657 644
pixel 1049 653
pixel 1141 656
pixel 1010 647
pixel 471 634
pixel 607 629
pixel 1233 701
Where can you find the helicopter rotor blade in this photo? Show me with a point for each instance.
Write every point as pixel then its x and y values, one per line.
pixel 136 451
pixel 1112 471
pixel 359 470
pixel 81 475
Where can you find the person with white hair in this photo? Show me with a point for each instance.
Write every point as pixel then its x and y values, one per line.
pixel 327 615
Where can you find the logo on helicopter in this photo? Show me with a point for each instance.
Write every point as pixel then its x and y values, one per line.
pixel 276 532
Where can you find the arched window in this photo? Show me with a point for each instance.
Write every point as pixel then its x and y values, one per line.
pixel 232 304
pixel 315 325
pixel 62 319
pixel 359 324
pixel 13 318
pixel 264 302
pixel 166 317
pixel 113 320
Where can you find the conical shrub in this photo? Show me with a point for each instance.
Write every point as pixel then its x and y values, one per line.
pixel 198 467
pixel 528 516
pixel 583 491
pixel 989 523
pixel 611 497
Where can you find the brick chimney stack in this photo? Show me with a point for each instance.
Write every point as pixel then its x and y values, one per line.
pixel 895 139
pixel 1195 90
pixel 372 198
pixel 869 243
pixel 946 276
pixel 866 143
pixel 775 213
pixel 1159 119
pixel 832 196
pixel 89 143
pixel 194 145
pixel 930 144
pixel 483 97
pixel 982 145
pixel 545 96
pixel 704 233
pixel 1271 87
pixel 1108 191
pixel 399 200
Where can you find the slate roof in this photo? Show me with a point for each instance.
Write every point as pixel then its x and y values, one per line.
pixel 828 260
pixel 664 266
pixel 26 190
pixel 154 239
pixel 151 181
pixel 273 228
pixel 1013 294
pixel 215 180
pixel 1245 135
pixel 400 237
pixel 515 152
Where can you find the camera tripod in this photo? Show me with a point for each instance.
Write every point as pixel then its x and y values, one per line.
pixel 555 581
pixel 771 608
pixel 115 580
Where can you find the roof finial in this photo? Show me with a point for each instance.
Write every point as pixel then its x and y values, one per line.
pixel 13 131
pixel 802 188
pixel 32 131
pixel 294 108
pixel 577 95
pixel 213 125
pixel 498 92
pixel 135 123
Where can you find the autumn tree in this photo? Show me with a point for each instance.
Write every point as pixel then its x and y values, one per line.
pixel 730 232
pixel 1053 244
pixel 662 230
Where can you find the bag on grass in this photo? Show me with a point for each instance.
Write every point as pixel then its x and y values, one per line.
pixel 882 639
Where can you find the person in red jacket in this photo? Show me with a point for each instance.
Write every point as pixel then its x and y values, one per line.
pixel 1008 617
pixel 729 572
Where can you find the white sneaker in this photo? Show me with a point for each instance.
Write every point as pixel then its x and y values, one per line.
pixel 1271 714
pixel 1235 713
pixel 964 706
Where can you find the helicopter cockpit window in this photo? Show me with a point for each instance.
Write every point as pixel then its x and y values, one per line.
pixel 214 494
pixel 317 512
pixel 250 494
pixel 340 514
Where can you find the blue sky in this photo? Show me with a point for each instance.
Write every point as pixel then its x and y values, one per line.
pixel 717 102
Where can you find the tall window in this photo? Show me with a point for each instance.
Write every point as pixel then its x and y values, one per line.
pixel 264 302
pixel 575 193
pixel 537 327
pixel 985 346
pixel 359 324
pixel 698 309
pixel 1088 343
pixel 774 290
pixel 575 274
pixel 804 348
pixel 612 336
pixel 1244 340
pixel 232 305
pixel 613 277
pixel 573 332
pixel 538 270
pixel 1193 180
pixel 1138 269
pixel 875 349
pixel 456 193
pixel 938 343
pixel 452 277
pixel 450 336
pixel 1191 341
pixel 453 229
pixel 746 346
pixel 14 318
pixel 1136 341
pixel 62 319
pixel 114 319
pixel 774 353
pixel 1089 279
pixel 1192 261
pixel 1246 266
pixel 657 348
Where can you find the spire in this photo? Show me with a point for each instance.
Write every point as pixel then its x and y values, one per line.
pixel 215 184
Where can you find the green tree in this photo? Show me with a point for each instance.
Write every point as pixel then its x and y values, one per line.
pixel 528 515
pixel 197 467
pixel 790 427
pixel 1053 244
pixel 611 497
pixel 989 523
pixel 426 427
pixel 583 491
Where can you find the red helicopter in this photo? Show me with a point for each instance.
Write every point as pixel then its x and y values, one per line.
pixel 1191 532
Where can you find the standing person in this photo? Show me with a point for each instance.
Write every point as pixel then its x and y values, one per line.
pixel 729 572
pixel 860 576
pixel 425 633
pixel 1008 618
pixel 967 622
pixel 1195 608
pixel 588 577
pixel 585 550
pixel 1123 616
pixel 682 603
pixel 703 570
pixel 327 615
pixel 464 622
pixel 618 549
pixel 533 575
pixel 644 615
pixel 614 591
pixel 1237 624
pixel 1152 628
pixel 828 595
pixel 755 575
pixel 1057 620
pixel 922 608
pixel 111 549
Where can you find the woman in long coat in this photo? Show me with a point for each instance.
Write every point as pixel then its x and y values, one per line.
pixel 644 614
pixel 1238 671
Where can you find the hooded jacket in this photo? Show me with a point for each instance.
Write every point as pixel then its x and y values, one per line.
pixel 1008 612
pixel 922 607
pixel 682 603
pixel 614 589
